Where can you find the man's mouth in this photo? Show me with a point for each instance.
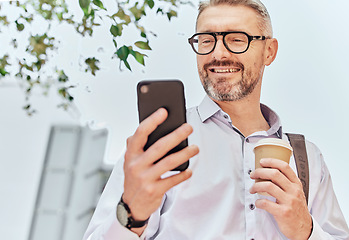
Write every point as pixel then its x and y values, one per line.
pixel 223 67
pixel 224 70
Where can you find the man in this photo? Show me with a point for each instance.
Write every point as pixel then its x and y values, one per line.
pixel 216 198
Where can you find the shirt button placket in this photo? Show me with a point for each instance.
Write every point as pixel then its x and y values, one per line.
pixel 249 198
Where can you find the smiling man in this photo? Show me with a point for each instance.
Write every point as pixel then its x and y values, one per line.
pixel 223 72
pixel 217 197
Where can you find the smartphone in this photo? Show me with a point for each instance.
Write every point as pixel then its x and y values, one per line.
pixel 168 94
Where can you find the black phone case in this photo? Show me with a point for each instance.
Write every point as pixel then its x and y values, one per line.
pixel 168 94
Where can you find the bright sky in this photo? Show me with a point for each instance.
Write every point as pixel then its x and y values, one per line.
pixel 307 86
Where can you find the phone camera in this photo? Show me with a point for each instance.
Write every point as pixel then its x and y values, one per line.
pixel 144 89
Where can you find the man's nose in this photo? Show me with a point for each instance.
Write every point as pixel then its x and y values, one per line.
pixel 220 51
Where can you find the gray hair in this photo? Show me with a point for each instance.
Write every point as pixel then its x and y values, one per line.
pixel 262 12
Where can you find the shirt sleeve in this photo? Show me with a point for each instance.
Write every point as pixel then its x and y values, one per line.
pixel 328 219
pixel 319 234
pixel 116 231
pixel 104 225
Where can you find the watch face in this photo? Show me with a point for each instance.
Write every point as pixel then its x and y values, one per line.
pixel 122 214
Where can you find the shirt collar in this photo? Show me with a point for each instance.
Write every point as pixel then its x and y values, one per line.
pixel 273 121
pixel 208 108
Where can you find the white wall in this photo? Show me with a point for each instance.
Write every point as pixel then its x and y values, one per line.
pixel 307 85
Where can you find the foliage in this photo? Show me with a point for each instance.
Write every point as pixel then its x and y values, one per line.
pixel 37 68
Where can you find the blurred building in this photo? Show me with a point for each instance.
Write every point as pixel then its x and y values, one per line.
pixel 73 177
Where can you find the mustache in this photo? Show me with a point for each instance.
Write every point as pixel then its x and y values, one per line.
pixel 226 63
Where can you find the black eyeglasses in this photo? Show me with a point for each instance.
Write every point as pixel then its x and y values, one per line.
pixel 235 42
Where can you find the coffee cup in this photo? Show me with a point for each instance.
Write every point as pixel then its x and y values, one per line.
pixel 271 148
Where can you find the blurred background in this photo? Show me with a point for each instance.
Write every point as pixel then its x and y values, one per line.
pixel 307 86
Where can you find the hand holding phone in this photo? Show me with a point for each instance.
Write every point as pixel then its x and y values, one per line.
pixel 144 182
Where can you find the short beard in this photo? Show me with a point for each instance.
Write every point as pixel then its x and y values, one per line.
pixel 222 90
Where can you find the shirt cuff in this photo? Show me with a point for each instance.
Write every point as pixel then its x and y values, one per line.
pixel 117 231
pixel 317 233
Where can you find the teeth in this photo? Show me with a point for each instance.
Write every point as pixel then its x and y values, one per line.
pixel 226 70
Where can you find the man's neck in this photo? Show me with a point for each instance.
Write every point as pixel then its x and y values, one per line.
pixel 246 115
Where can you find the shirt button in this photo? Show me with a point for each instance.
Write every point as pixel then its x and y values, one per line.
pixel 247 140
pixel 226 116
pixel 249 172
pixel 252 206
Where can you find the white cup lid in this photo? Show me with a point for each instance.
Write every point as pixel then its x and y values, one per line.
pixel 274 142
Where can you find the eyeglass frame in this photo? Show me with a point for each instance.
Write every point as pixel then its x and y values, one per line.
pixel 215 34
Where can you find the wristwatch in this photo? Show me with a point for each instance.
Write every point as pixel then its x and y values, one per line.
pixel 123 214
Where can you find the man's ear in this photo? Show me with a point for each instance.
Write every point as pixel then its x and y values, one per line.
pixel 271 49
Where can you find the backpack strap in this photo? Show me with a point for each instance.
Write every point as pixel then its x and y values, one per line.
pixel 297 142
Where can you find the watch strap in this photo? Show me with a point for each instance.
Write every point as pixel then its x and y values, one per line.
pixel 131 223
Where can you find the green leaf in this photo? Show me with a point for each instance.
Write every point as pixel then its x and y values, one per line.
pixel 159 10
pixel 60 16
pixel 38 64
pixel 86 8
pixel 92 65
pixel 4 20
pixel 3 72
pixel 137 12
pixel 122 16
pixel 99 4
pixel 62 77
pixel 171 14
pixel 62 92
pixel 150 3
pixel 143 45
pixel 115 43
pixel 26 107
pixel 116 30
pixel 138 56
pixel 4 62
pixel 127 65
pixel 140 28
pixel 84 4
pixel 123 53
pixel 29 110
pixel 40 43
pixel 20 26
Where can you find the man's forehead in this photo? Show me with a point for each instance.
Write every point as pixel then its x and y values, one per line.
pixel 227 17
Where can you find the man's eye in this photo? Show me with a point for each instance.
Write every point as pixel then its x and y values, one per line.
pixel 236 40
pixel 206 41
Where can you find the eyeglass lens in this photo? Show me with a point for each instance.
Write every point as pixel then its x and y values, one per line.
pixel 235 42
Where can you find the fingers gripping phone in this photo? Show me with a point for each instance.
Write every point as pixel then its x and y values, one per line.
pixel 168 94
